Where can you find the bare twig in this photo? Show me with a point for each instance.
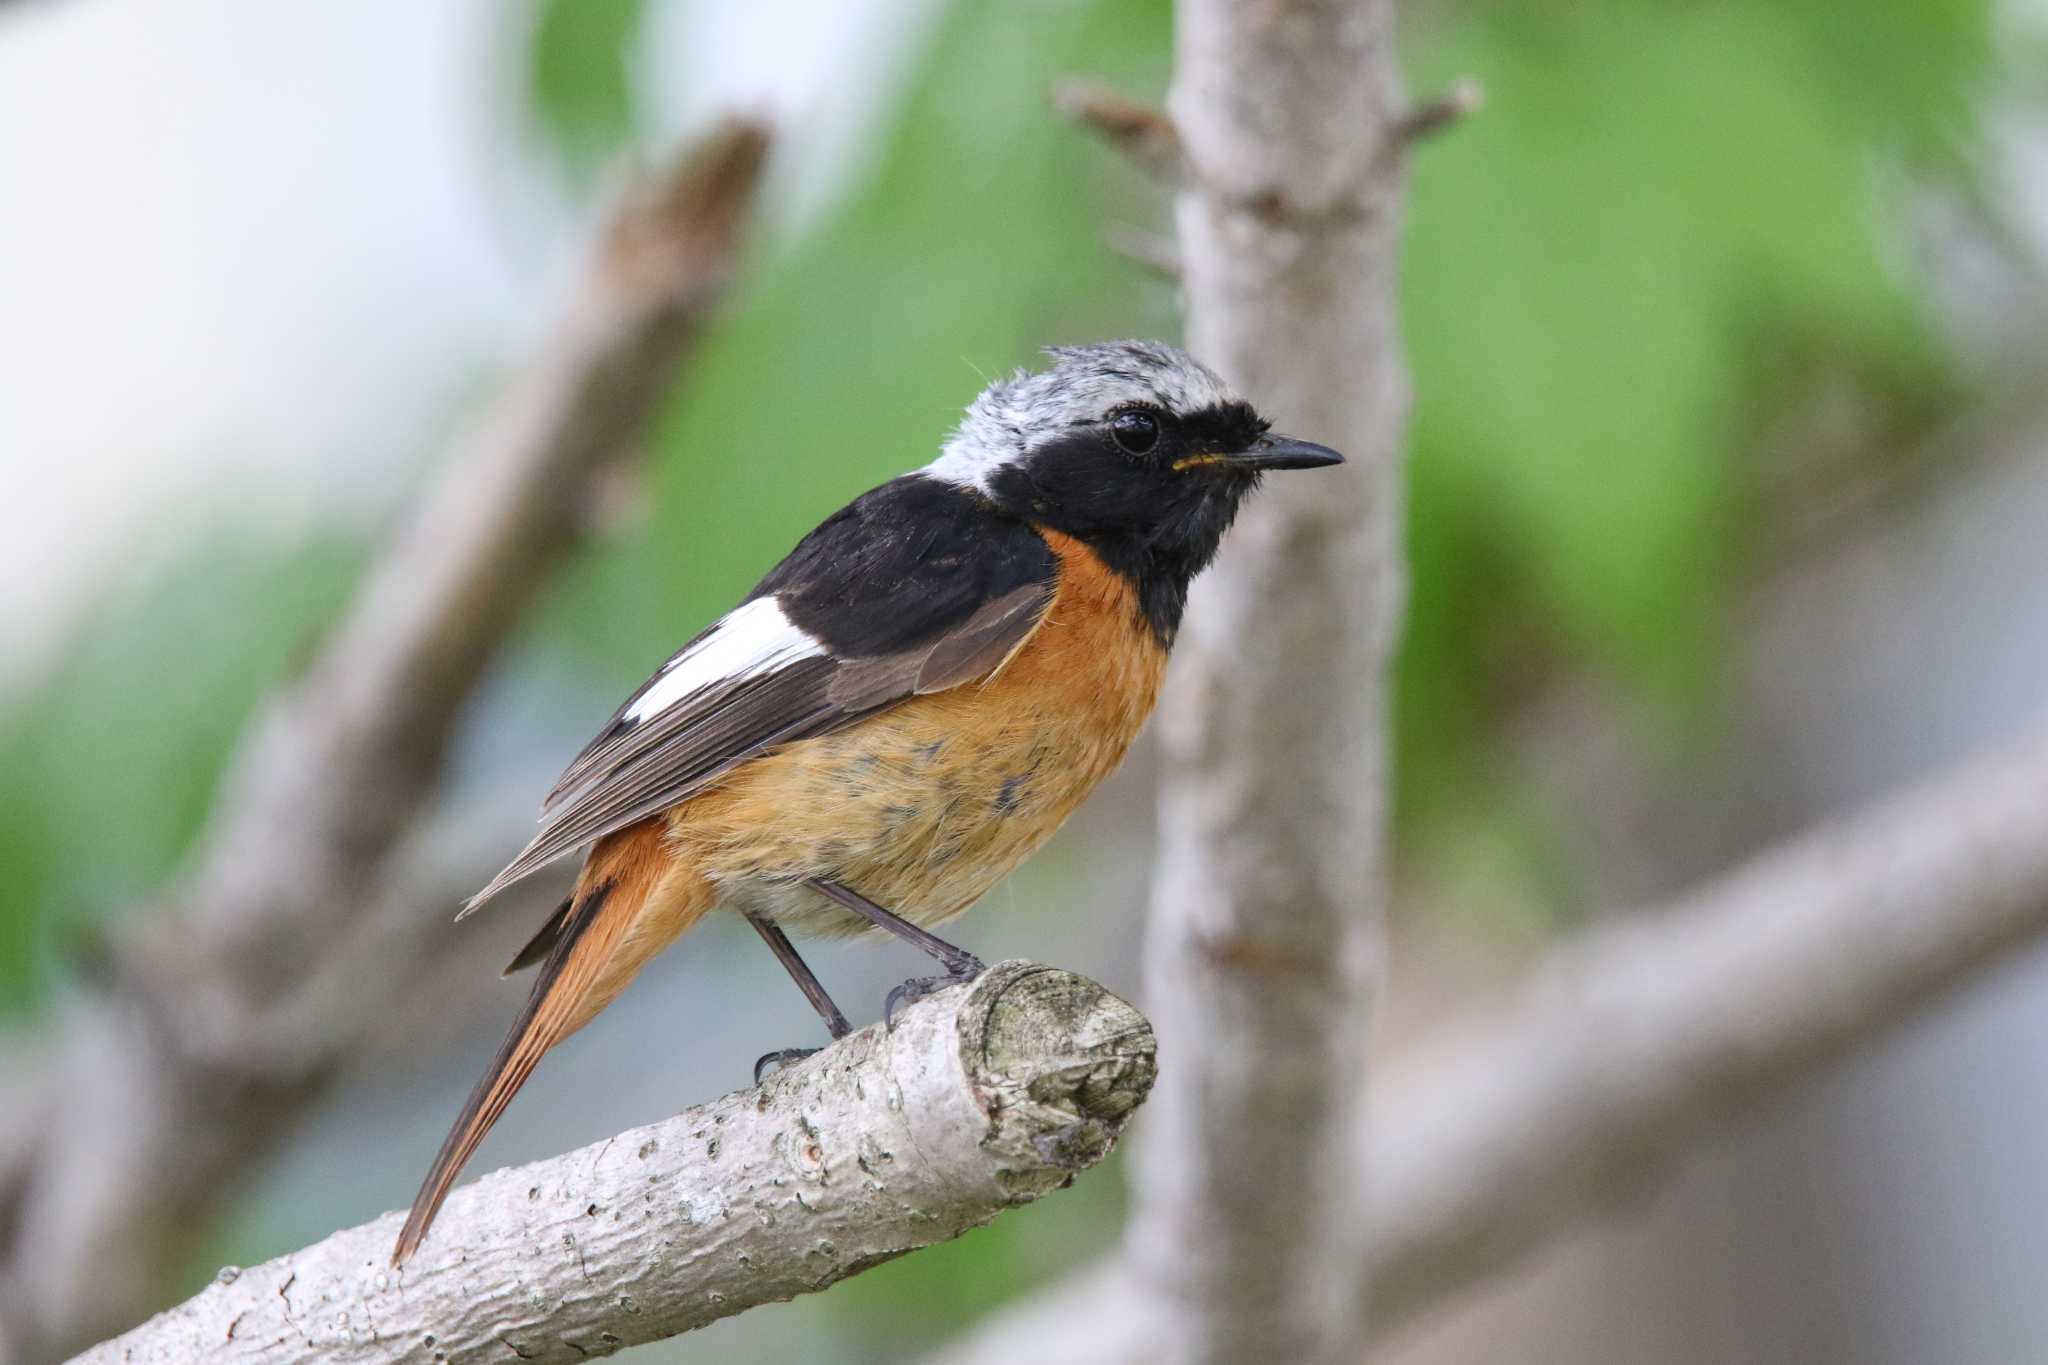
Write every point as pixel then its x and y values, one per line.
pixel 1262 950
pixel 1138 130
pixel 199 1048
pixel 1625 1048
pixel 1465 98
pixel 1149 249
pixel 981 1098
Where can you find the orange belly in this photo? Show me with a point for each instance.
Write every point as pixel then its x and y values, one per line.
pixel 924 807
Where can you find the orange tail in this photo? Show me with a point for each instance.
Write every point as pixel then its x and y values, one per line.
pixel 603 939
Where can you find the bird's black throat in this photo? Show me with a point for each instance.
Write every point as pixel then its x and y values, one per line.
pixel 1157 520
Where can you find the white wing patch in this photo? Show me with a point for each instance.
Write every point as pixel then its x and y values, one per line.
pixel 751 639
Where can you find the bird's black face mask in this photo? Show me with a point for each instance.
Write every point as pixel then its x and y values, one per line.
pixel 1151 491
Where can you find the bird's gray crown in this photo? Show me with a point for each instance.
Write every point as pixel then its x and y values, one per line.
pixel 1083 385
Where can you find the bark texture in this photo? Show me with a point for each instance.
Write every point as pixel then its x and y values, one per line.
pixel 1262 949
pixel 219 1018
pixel 984 1097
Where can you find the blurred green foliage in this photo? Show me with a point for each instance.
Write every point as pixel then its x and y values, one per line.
pixel 1665 224
pixel 579 74
pixel 110 762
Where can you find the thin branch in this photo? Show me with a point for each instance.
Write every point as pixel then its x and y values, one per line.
pixel 1138 130
pixel 1263 942
pixel 981 1099
pixel 1627 1047
pixel 190 1081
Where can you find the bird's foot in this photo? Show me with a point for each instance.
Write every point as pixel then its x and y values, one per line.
pixel 782 1060
pixel 966 968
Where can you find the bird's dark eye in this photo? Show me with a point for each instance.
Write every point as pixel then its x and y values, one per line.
pixel 1136 431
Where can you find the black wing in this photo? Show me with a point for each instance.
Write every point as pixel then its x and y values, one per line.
pixel 914 587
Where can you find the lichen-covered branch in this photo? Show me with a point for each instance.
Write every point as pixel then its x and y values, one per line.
pixel 218 1017
pixel 983 1097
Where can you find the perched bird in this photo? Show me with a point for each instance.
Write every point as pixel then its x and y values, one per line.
pixel 904 709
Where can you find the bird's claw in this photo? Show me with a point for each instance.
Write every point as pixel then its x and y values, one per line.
pixel 918 987
pixel 782 1060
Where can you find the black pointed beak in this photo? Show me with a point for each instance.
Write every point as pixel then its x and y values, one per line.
pixel 1284 452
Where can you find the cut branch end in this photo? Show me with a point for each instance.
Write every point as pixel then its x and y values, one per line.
pixel 983 1097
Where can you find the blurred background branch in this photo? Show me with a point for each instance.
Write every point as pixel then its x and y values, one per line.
pixel 1269 884
pixel 1625 1048
pixel 210 1027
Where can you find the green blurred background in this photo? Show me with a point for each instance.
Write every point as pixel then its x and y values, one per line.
pixel 1710 298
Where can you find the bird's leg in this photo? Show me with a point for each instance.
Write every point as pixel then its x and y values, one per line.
pixel 807 982
pixel 960 964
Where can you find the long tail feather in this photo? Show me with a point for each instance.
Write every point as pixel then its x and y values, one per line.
pixel 597 947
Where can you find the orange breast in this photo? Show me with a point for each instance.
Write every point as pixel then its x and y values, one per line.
pixel 923 807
